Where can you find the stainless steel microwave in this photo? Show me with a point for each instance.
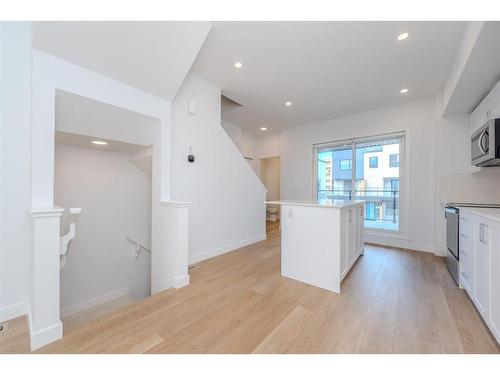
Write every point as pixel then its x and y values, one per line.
pixel 485 145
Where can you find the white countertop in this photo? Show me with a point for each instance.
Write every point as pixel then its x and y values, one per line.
pixel 326 203
pixel 490 213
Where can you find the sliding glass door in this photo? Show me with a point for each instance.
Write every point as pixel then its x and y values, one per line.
pixel 367 169
pixel 334 172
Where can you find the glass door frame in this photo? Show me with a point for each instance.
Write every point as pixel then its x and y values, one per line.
pixel 403 176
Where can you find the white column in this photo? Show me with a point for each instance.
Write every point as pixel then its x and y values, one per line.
pixel 45 323
pixel 169 259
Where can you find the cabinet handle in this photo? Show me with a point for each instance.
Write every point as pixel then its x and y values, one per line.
pixel 483 228
pixel 465 275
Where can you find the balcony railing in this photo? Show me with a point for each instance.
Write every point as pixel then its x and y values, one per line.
pixel 379 196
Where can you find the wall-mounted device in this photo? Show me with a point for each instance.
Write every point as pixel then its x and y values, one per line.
pixel 190 155
pixel 485 145
pixel 191 107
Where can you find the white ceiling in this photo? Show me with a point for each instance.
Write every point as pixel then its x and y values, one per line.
pixel 478 70
pixel 85 141
pixel 152 56
pixel 327 69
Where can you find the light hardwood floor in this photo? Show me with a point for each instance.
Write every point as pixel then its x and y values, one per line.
pixel 393 301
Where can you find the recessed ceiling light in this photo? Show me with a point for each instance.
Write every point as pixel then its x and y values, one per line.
pixel 288 104
pixel 403 91
pixel 238 65
pixel 403 36
pixel 100 143
pixel 263 129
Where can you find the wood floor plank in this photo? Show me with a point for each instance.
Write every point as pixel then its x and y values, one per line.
pixel 392 301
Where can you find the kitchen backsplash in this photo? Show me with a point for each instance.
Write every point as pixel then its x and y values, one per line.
pixel 479 187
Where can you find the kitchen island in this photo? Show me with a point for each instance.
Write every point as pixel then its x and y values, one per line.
pixel 320 240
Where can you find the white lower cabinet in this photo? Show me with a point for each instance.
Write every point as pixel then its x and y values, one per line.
pixel 495 281
pixel 466 248
pixel 480 265
pixel 482 271
pixel 354 240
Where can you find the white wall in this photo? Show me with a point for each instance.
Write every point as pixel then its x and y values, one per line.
pixel 50 74
pixel 269 145
pixel 15 177
pixel 115 197
pixel 234 132
pixel 417 120
pixel 246 143
pixel 228 209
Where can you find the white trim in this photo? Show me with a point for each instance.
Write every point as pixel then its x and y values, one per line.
pixel 175 204
pixel 423 248
pixel 386 234
pixel 180 281
pixel 13 311
pixel 226 249
pixel 73 309
pixel 46 335
pixel 398 242
pixel 40 212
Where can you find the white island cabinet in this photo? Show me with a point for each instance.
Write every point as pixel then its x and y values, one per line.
pixel 320 240
pixel 479 244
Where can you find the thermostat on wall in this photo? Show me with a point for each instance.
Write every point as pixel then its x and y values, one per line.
pixel 191 107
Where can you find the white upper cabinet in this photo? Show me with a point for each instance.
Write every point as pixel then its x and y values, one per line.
pixel 488 109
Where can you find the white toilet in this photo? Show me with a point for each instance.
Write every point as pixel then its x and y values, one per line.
pixel 272 212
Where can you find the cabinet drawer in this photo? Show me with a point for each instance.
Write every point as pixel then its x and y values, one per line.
pixel 467 281
pixel 466 260
pixel 466 245
pixel 465 226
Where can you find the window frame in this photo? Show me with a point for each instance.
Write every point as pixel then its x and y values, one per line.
pixel 404 215
pixel 345 169
pixel 390 161
pixel 370 162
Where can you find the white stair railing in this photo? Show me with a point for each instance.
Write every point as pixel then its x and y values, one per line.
pixel 65 241
pixel 137 248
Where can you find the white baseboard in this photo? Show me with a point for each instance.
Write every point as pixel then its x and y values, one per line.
pixel 225 249
pixel 46 336
pixel 397 241
pixel 420 247
pixel 180 281
pixel 70 310
pixel 13 311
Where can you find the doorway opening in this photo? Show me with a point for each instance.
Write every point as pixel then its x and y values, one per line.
pixel 270 176
pixel 104 183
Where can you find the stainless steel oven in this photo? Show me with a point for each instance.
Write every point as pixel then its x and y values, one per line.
pixel 452 216
pixel 452 255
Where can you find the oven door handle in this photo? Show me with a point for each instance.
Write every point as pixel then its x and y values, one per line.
pixel 483 134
